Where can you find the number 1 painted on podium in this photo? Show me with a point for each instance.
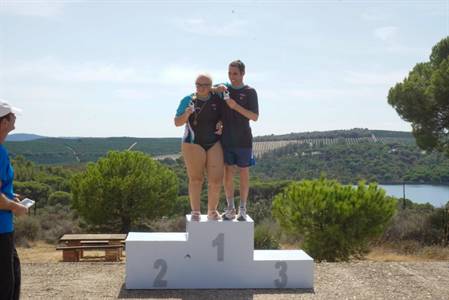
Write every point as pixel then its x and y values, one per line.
pixel 219 243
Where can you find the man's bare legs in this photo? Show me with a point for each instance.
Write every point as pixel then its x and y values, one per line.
pixel 244 191
pixel 229 191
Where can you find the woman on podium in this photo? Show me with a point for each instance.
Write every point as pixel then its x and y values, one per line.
pixel 200 112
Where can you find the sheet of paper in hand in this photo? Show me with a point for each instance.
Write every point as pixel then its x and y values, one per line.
pixel 27 202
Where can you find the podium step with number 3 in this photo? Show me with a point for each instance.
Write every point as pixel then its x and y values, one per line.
pixel 212 254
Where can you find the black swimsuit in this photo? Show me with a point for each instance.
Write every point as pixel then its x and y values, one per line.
pixel 202 123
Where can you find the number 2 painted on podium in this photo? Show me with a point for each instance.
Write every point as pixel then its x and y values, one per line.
pixel 158 282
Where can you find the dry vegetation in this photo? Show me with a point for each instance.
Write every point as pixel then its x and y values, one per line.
pixel 41 252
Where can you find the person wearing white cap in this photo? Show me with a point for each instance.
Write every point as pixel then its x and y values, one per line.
pixel 9 205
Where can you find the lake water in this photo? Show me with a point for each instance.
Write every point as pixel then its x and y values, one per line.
pixel 437 195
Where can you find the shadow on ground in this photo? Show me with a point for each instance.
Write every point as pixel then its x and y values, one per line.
pixel 242 294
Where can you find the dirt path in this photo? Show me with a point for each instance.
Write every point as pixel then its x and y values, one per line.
pixel 355 280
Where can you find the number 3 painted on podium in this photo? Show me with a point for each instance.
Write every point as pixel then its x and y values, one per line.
pixel 282 265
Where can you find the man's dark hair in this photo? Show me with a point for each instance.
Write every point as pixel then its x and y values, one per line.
pixel 238 64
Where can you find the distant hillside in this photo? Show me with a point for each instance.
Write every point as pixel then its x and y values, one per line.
pixel 21 137
pixel 82 150
pixel 351 133
pixel 352 160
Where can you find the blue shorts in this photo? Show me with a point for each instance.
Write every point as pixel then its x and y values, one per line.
pixel 242 157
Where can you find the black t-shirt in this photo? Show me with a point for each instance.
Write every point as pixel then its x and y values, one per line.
pixel 203 122
pixel 236 129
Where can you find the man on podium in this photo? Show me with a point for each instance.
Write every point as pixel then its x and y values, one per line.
pixel 237 140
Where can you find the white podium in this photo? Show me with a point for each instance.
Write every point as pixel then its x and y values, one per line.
pixel 211 255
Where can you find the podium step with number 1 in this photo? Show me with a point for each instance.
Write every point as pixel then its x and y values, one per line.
pixel 212 254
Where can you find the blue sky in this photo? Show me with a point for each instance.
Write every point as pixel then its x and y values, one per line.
pixel 120 68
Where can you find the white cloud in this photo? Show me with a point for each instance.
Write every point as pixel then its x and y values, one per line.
pixel 54 70
pixel 178 74
pixel 387 33
pixel 373 78
pixel 326 94
pixel 134 94
pixel 421 52
pixel 320 96
pixel 373 15
pixel 217 29
pixel 50 69
pixel 182 75
pixel 38 8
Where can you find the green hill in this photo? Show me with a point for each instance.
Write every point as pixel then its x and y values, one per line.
pixel 392 162
pixel 81 150
pixel 333 134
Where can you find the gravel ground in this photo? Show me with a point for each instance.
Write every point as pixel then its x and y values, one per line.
pixel 354 280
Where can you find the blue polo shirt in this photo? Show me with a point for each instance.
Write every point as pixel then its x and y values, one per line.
pixel 6 176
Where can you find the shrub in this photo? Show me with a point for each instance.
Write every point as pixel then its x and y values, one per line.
pixel 35 190
pixel 259 210
pixel 56 221
pixel 26 229
pixel 173 224
pixel 418 222
pixel 335 221
pixel 60 197
pixel 123 188
pixel 265 236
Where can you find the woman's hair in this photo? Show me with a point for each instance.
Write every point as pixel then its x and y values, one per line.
pixel 7 116
pixel 238 64
pixel 204 75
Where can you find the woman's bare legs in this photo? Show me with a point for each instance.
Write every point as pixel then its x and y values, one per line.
pixel 214 167
pixel 195 160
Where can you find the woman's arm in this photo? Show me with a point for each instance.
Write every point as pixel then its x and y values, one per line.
pixel 184 111
pixel 182 119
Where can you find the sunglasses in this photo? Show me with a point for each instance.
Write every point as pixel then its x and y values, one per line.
pixel 202 84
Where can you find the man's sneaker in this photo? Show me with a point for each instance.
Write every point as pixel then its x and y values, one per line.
pixel 229 214
pixel 242 214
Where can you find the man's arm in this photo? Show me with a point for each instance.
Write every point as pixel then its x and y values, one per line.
pixel 252 113
pixel 243 111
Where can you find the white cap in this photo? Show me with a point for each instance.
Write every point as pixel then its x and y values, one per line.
pixel 5 109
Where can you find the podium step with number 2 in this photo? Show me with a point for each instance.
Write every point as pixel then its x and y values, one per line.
pixel 212 254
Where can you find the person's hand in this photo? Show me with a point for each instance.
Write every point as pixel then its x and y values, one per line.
pixel 231 103
pixel 220 88
pixel 219 128
pixel 20 210
pixel 189 110
pixel 18 197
